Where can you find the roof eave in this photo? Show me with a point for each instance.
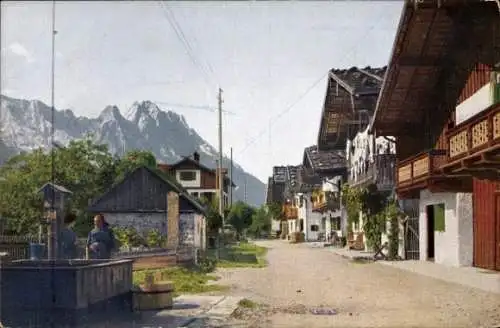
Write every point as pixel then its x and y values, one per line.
pixel 404 15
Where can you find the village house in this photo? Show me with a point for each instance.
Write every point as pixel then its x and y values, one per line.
pixel 309 221
pixel 198 179
pixel 275 197
pixel 290 208
pixel 328 170
pixel 350 102
pixel 147 200
pixel 440 99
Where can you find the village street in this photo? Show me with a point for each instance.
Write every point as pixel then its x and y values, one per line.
pixel 300 277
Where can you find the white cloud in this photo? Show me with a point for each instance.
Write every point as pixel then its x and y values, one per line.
pixel 18 49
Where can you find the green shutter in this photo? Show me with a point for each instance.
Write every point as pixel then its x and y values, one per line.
pixel 439 221
pixel 496 93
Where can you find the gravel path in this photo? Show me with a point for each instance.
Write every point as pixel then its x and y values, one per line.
pixel 299 278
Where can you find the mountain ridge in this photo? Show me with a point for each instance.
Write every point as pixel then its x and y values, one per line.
pixel 26 126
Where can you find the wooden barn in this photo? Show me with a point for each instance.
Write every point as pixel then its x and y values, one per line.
pixel 146 199
pixel 441 101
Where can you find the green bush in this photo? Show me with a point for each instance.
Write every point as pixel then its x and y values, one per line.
pixel 155 239
pixel 206 265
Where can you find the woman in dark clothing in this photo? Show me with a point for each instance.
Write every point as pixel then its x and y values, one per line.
pixel 67 246
pixel 101 240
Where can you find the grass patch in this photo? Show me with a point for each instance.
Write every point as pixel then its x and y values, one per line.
pixel 358 260
pixel 242 255
pixel 247 304
pixel 185 281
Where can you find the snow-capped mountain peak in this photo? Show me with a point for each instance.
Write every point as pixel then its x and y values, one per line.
pixel 26 125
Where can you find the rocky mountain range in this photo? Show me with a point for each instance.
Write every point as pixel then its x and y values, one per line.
pixel 26 126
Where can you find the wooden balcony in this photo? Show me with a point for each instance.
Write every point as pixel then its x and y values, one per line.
pixel 381 172
pixel 318 200
pixel 290 212
pixel 422 171
pixel 325 201
pixel 475 146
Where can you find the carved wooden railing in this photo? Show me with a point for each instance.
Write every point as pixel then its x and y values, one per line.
pixel 318 200
pixel 419 167
pixel 290 212
pixel 381 172
pixel 476 135
pixel 325 200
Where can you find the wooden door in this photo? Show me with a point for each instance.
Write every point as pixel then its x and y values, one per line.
pixel 485 224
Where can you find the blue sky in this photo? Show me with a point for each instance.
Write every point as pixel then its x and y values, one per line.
pixel 264 55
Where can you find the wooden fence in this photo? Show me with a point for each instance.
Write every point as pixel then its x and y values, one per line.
pixel 17 248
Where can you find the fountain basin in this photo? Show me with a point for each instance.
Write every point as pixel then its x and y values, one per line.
pixel 64 292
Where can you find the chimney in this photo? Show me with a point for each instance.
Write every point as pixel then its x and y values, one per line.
pixel 196 156
pixel 172 220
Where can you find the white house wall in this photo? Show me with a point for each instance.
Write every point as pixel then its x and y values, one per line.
pixel 360 151
pixel 475 104
pixel 199 232
pixel 453 246
pixel 196 183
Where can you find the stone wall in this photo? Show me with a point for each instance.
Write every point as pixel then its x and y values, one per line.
pixel 186 229
pixel 142 222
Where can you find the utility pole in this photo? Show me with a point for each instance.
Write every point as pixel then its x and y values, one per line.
pixel 245 191
pixel 221 175
pixel 231 180
pixel 53 229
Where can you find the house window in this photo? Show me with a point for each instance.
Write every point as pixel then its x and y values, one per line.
pixel 187 175
pixel 314 227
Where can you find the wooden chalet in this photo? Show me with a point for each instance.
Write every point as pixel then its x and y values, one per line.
pixel 198 179
pixel 440 100
pixel 326 166
pixel 350 101
pixel 371 161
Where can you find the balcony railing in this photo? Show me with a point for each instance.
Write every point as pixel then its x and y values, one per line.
pixel 381 172
pixel 290 212
pixel 420 167
pixel 478 135
pixel 325 200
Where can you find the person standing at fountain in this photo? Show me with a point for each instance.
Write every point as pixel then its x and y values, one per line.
pixel 67 245
pixel 101 239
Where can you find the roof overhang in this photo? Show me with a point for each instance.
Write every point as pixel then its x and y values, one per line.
pixel 435 48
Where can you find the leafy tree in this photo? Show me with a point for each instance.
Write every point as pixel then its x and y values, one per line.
pixel 261 222
pixel 275 211
pixel 240 216
pixel 134 159
pixel 214 219
pixel 85 168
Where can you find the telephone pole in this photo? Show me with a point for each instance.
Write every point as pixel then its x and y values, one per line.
pixel 221 175
pixel 231 180
pixel 245 191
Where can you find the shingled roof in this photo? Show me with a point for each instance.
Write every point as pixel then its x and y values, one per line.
pixel 350 100
pixel 324 161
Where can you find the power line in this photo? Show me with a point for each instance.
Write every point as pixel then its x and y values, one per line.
pixel 202 107
pixel 182 38
pixel 287 109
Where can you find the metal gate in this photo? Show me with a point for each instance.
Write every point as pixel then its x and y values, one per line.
pixel 411 231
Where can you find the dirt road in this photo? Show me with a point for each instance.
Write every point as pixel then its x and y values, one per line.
pixel 299 278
